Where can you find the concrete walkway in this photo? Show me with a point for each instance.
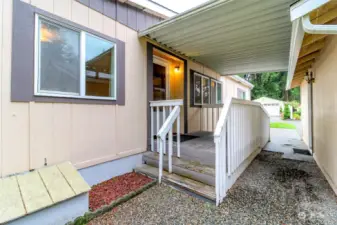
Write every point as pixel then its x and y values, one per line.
pixel 284 140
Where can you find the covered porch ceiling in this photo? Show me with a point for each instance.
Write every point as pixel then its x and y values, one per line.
pixel 231 36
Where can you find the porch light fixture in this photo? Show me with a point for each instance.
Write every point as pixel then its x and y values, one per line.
pixel 177 69
pixel 309 77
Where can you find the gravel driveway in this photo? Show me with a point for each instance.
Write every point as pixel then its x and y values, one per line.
pixel 271 191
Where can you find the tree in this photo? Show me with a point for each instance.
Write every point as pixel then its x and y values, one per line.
pixel 272 84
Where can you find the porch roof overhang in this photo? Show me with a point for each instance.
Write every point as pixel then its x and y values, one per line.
pixel 230 36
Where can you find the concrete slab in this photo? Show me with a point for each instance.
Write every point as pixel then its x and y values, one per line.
pixel 284 140
pixel 56 184
pixel 11 205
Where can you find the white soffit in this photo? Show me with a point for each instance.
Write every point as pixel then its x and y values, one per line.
pixel 231 36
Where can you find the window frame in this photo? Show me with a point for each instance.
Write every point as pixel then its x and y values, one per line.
pixel 82 55
pixel 216 92
pixel 243 92
pixel 202 96
pixel 210 80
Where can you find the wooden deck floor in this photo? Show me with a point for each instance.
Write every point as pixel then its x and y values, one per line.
pixel 201 149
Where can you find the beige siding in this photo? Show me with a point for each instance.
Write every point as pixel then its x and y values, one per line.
pixel 14 117
pixel 34 133
pixel 325 111
pixel 231 88
pixel 84 134
pixel 304 112
pixel 1 61
pixel 199 119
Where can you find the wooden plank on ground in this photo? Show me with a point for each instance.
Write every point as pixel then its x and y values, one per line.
pixel 34 193
pixel 74 178
pixel 56 184
pixel 11 205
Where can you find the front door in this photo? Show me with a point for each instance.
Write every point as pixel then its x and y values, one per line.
pixel 160 79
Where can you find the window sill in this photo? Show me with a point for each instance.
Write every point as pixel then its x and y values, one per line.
pixel 52 98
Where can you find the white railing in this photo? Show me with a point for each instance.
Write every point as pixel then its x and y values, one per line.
pixel 241 132
pixel 164 126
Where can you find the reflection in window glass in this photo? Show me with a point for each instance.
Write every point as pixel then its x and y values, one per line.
pixel 219 93
pixel 197 89
pixel 241 94
pixel 213 92
pixel 100 67
pixel 59 58
pixel 205 91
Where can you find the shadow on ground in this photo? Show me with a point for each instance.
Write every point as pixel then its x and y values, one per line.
pixel 272 190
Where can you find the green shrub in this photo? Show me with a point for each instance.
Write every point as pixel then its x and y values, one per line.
pixel 286 112
pixel 296 116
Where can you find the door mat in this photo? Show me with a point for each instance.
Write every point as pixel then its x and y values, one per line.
pixel 301 151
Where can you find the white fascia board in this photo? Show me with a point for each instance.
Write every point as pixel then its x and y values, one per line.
pixel 297 36
pixel 151 7
pixel 242 81
pixel 304 7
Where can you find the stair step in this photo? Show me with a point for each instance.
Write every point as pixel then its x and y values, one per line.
pixel 189 169
pixel 196 187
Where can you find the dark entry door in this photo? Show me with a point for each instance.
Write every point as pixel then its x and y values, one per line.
pixel 159 82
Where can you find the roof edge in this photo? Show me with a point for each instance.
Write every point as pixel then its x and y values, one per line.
pixel 195 10
pixel 242 81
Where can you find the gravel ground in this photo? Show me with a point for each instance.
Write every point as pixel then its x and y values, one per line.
pixel 272 190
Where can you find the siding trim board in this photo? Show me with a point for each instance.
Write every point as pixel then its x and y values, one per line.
pixel 22 77
pixel 123 13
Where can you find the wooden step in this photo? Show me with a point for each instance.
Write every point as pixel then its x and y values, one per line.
pixel 186 168
pixel 193 186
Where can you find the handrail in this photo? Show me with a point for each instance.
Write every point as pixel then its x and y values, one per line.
pixel 164 130
pixel 242 130
pixel 174 102
pixel 169 122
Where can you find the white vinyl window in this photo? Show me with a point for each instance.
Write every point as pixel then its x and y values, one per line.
pixel 73 63
pixel 218 93
pixel 241 94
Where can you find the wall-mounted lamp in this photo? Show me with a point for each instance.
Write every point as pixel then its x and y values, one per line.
pixel 309 77
pixel 177 69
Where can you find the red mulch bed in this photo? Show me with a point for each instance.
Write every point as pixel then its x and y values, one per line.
pixel 110 190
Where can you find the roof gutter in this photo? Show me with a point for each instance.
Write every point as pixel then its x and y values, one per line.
pixel 300 26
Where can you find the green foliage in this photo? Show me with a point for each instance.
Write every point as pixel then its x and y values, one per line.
pixel 282 125
pixel 272 85
pixel 296 116
pixel 286 112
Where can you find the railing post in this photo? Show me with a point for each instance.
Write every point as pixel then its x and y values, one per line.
pixel 160 160
pixel 158 121
pixel 152 132
pixel 178 135
pixel 170 146
pixel 164 118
